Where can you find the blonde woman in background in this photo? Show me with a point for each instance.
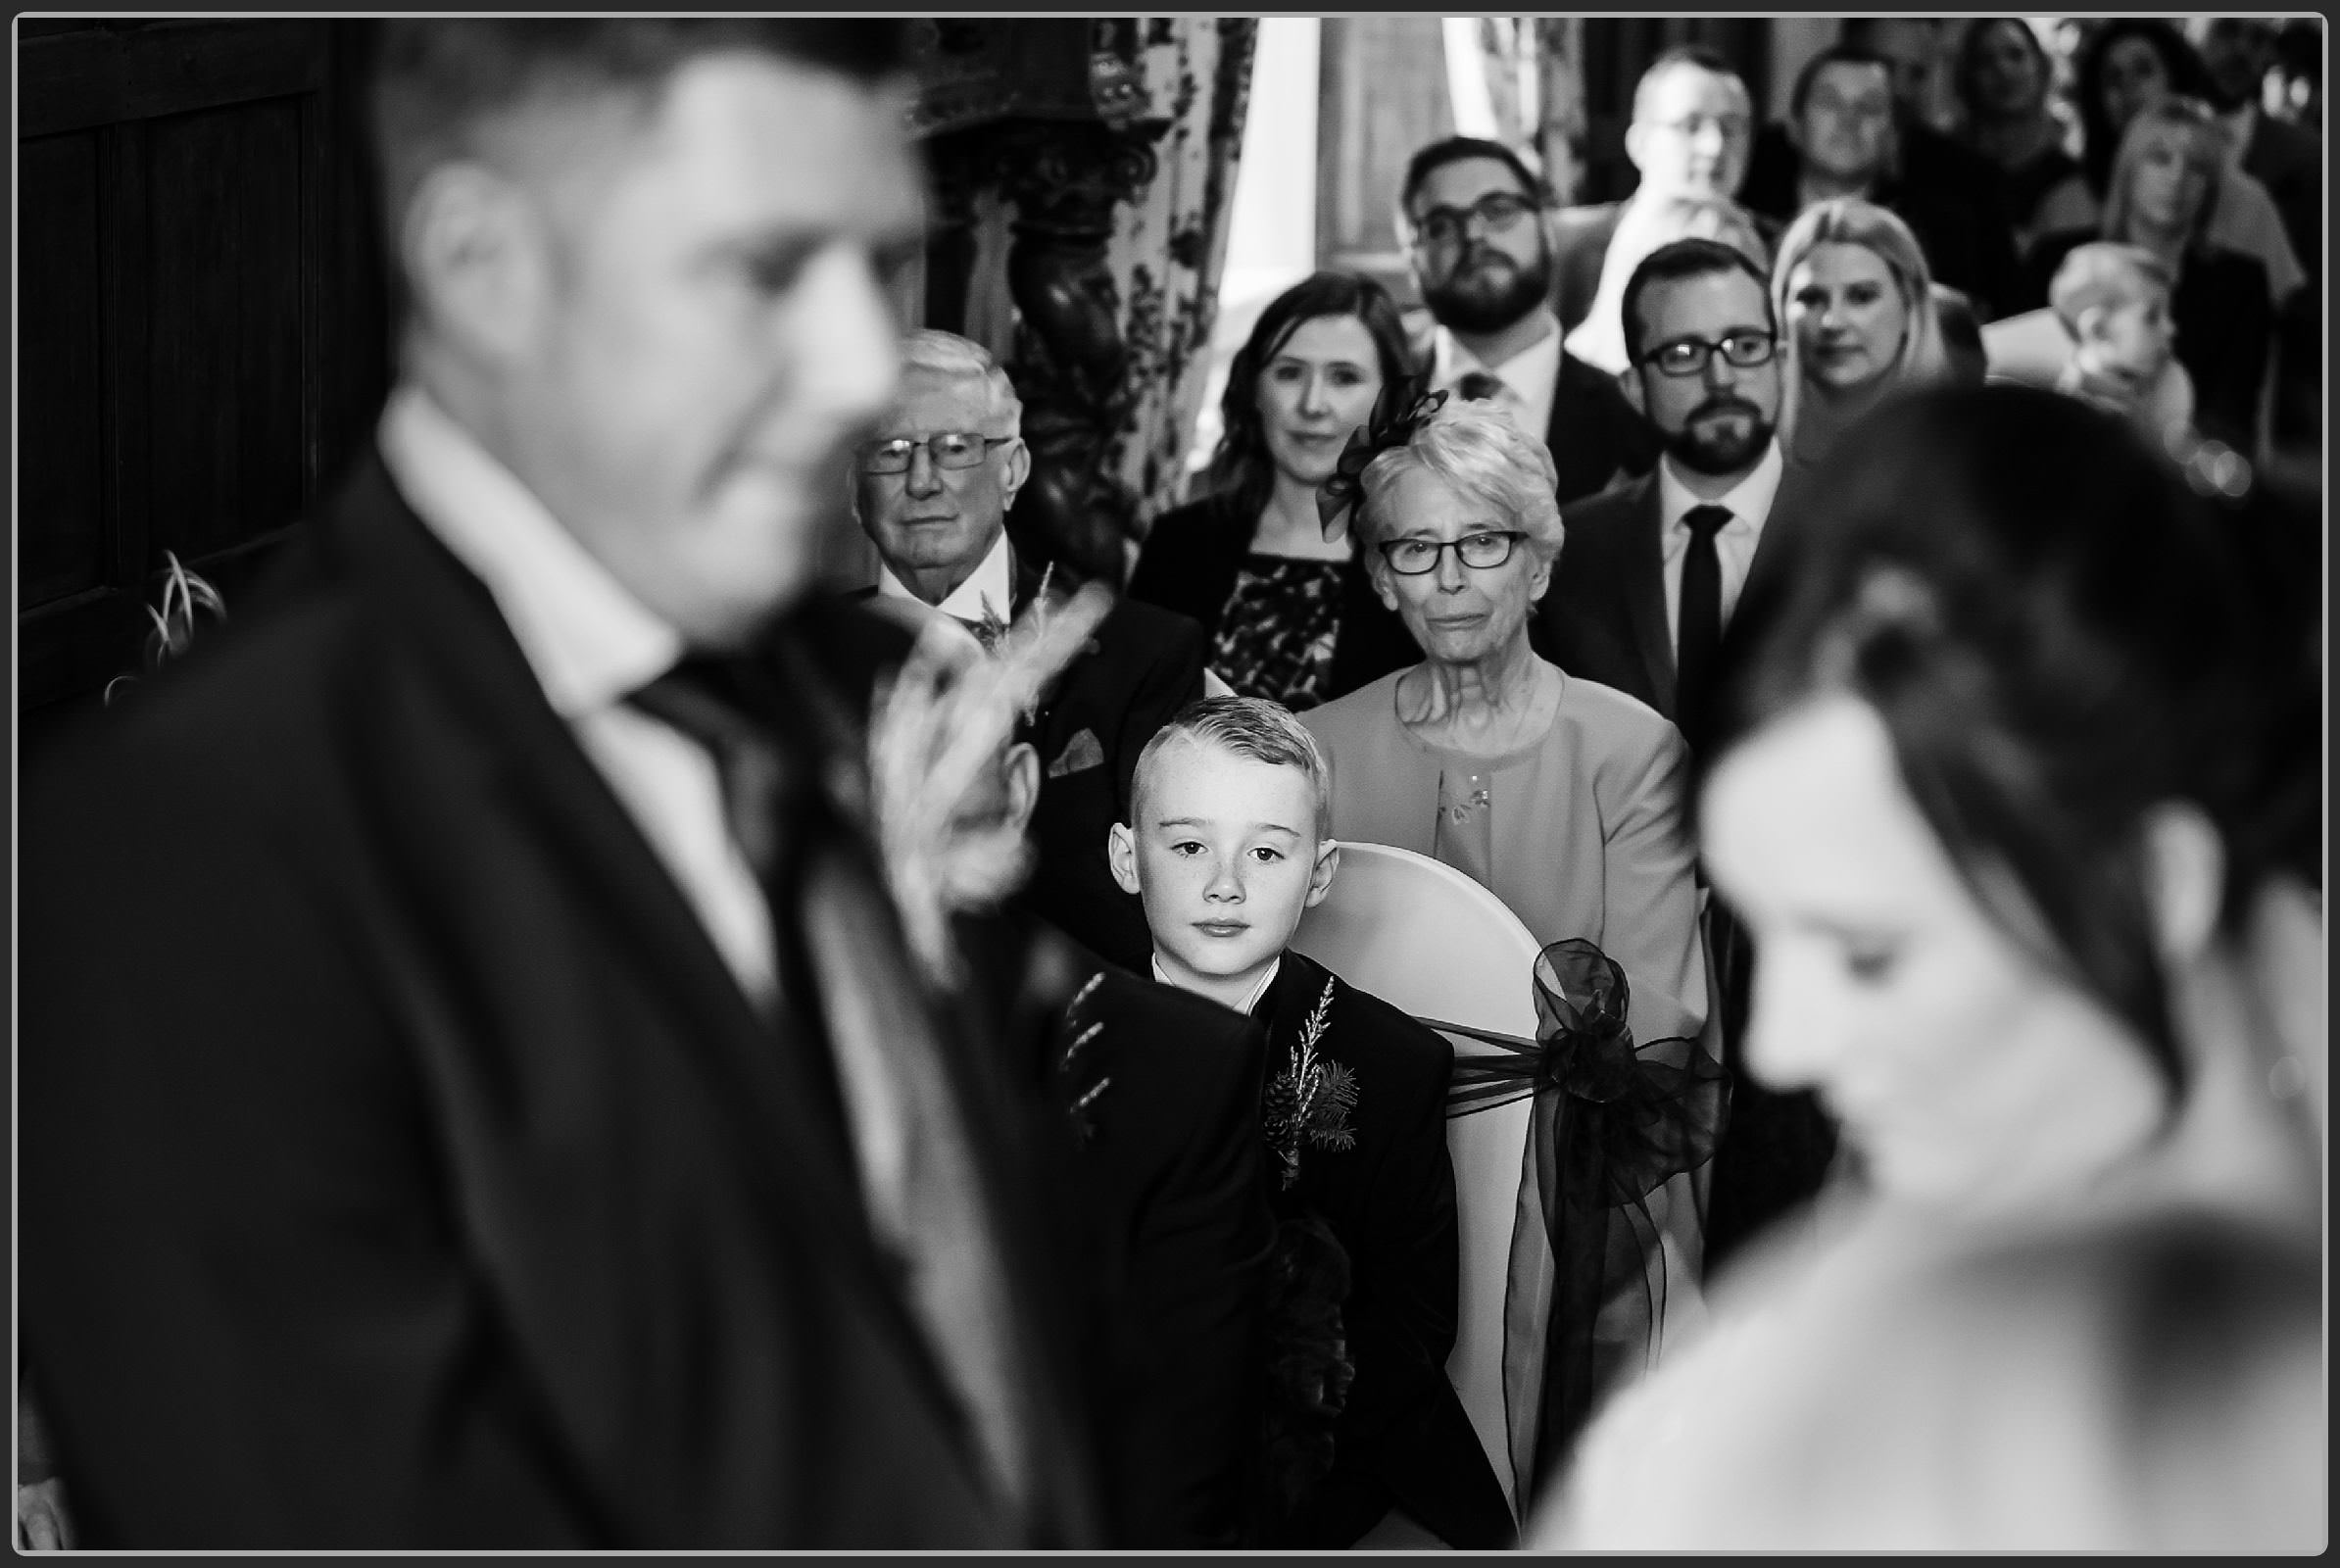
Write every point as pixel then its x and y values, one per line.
pixel 1854 299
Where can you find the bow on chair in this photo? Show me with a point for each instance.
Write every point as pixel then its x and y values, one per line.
pixel 1338 496
pixel 1611 1123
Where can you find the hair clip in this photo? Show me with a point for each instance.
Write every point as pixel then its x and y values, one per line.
pixel 1341 494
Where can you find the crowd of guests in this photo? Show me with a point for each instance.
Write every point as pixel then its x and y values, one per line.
pixel 631 1051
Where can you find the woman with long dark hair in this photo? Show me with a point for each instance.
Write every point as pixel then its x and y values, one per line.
pixel 1291 614
pixel 2017 783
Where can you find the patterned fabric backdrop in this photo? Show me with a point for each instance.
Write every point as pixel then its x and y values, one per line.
pixel 1168 245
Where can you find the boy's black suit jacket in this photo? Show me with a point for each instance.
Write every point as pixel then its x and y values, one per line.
pixel 1403 1440
pixel 402 1165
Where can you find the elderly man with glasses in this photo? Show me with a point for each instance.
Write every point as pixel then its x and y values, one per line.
pixel 1474 222
pixel 931 488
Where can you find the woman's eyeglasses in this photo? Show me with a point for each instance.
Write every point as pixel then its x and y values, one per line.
pixel 951 449
pixel 1688 356
pixel 1416 558
pixel 1498 212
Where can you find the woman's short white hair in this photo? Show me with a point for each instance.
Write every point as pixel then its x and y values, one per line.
pixel 939 353
pixel 1478 452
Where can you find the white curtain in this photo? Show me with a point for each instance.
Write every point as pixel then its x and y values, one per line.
pixel 1170 243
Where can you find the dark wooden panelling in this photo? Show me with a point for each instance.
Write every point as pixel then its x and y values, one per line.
pixel 61 472
pixel 106 76
pixel 224 326
pixel 205 326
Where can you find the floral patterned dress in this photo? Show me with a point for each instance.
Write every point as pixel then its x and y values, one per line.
pixel 1277 634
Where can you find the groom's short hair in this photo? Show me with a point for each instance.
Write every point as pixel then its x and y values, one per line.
pixel 435 83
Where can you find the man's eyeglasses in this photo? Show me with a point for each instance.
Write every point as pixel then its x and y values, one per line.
pixel 1688 356
pixel 951 449
pixel 1416 558
pixel 1497 212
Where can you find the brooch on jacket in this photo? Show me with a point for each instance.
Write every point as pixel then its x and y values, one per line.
pixel 1309 1102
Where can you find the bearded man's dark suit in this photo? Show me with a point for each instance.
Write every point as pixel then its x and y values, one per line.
pixel 403 1167
pixel 1594 434
pixel 1404 1440
pixel 1605 618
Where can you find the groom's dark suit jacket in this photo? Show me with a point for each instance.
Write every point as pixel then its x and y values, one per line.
pixel 402 1167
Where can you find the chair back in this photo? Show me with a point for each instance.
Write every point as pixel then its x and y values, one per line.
pixel 1426 938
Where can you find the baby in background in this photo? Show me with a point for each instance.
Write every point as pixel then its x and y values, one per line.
pixel 2114 300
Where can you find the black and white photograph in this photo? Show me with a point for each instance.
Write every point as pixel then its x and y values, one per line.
pixel 1170 784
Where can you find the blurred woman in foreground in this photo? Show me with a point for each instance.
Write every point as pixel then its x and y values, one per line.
pixel 2016 787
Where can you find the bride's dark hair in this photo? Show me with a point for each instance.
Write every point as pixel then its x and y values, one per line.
pixel 2059 631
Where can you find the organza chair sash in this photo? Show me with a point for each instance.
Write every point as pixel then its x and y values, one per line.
pixel 1610 1123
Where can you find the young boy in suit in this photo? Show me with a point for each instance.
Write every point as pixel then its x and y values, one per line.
pixel 1229 841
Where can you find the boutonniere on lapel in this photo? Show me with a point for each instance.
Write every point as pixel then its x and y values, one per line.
pixel 1073 1068
pixel 942 724
pixel 1309 1102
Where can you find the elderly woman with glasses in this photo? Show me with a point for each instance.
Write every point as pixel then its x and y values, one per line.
pixel 1560 795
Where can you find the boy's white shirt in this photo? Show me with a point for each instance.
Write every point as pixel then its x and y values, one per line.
pixel 1251 998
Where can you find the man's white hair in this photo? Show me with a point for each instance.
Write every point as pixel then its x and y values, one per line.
pixel 939 353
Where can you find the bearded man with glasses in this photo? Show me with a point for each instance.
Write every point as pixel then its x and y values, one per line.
pixel 931 488
pixel 1474 219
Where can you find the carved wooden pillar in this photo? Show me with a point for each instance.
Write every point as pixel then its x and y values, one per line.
pixel 1066 179
pixel 956 163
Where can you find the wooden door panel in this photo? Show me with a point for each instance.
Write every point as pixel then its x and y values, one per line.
pixel 203 321
pixel 225 324
pixel 61 473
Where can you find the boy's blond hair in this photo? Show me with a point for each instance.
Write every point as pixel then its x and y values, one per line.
pixel 1248 726
pixel 2103 272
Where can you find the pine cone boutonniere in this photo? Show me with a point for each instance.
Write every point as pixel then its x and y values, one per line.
pixel 1310 1100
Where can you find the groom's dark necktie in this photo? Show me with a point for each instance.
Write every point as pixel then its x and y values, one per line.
pixel 845 966
pixel 1701 631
